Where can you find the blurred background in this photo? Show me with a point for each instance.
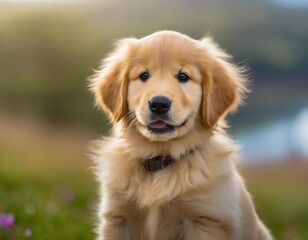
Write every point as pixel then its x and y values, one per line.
pixel 47 119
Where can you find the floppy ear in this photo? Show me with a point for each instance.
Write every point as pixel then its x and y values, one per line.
pixel 110 83
pixel 223 84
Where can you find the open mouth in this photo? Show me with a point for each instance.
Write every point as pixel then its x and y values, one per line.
pixel 160 127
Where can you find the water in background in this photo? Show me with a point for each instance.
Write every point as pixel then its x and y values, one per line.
pixel 293 3
pixel 276 140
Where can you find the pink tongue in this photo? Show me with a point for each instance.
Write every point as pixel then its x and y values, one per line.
pixel 158 124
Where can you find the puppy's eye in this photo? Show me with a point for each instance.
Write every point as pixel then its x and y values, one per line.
pixel 144 76
pixel 183 77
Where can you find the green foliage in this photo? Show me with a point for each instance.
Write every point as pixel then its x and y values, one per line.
pixel 46 57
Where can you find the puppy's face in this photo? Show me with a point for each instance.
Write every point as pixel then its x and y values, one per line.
pixel 166 83
pixel 165 87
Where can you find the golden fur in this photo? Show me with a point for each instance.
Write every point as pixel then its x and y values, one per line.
pixel 199 196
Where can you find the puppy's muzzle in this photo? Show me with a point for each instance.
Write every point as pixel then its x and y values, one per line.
pixel 160 105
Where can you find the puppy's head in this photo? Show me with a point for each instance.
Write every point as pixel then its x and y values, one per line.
pixel 166 83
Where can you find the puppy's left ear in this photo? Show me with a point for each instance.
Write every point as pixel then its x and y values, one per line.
pixel 223 83
pixel 110 83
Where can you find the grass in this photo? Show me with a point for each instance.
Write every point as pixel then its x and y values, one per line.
pixel 51 204
pixel 281 197
pixel 46 183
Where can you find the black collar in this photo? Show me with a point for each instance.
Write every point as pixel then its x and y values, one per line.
pixel 160 162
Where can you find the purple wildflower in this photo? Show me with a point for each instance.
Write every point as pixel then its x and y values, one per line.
pixel 6 221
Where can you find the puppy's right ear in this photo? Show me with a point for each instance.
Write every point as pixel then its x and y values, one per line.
pixel 110 83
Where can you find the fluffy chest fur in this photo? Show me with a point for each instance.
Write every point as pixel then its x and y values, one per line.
pixel 120 165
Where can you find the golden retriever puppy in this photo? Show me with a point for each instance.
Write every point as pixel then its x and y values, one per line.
pixel 168 170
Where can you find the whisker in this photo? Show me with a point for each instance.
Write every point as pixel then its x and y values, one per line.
pixel 132 121
pixel 131 126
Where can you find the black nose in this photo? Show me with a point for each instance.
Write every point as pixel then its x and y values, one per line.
pixel 159 105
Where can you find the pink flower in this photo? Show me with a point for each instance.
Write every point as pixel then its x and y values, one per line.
pixel 6 221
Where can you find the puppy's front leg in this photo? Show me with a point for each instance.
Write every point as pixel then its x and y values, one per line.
pixel 119 219
pixel 114 227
